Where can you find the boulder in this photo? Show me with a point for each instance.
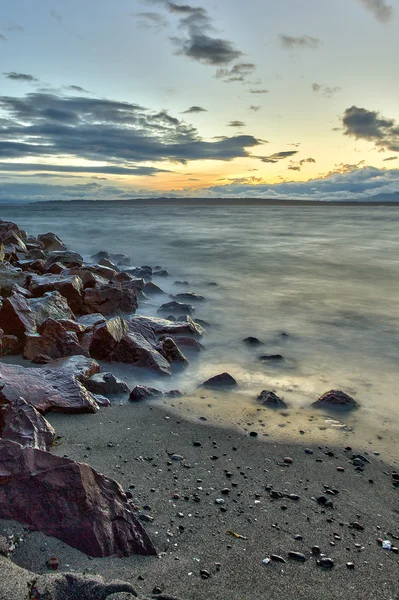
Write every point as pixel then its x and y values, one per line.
pixel 224 380
pixel 106 384
pixel 65 257
pixel 89 279
pixel 112 298
pixel 7 226
pixel 102 271
pixel 90 322
pixel 106 336
pixel 335 399
pixel 38 266
pixel 170 350
pixel 120 259
pixel 20 422
pixel 70 501
pixel 189 297
pixel 176 307
pixel 10 345
pixel 96 257
pixel 73 586
pixel 141 272
pixel 51 242
pixel 46 389
pixel 11 238
pixel 53 340
pixel 152 289
pixel 105 262
pixel 70 287
pixel 56 268
pixel 102 401
pixel 80 367
pixel 270 399
pixel 50 306
pixel 142 392
pixel 135 349
pixel 16 317
pixel 10 276
pixel 160 273
pixel 162 326
pixel 187 342
pixel 74 326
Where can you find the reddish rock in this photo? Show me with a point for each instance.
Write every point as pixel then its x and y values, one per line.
pixel 74 326
pixel 65 257
pixel 53 340
pixel 70 287
pixel 335 399
pixel 46 389
pixel 41 359
pixel 142 392
pixel 134 349
pixel 20 422
pixel 11 238
pixel 51 242
pixel 105 262
pixel 106 336
pixel 270 399
pixel 106 384
pixel 162 326
pixel 112 298
pixel 187 342
pixel 176 307
pixel 170 350
pixel 7 226
pixel 102 271
pixel 70 501
pixel 80 367
pixel 10 345
pixel 220 381
pixel 16 317
pixel 10 276
pixel 56 268
pixel 89 279
pixel 90 322
pixel 50 306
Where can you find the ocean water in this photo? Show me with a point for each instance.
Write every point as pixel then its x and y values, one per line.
pixel 325 275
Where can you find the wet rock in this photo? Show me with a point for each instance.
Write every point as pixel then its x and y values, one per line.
pixel 97 257
pixel 297 556
pixel 120 259
pixel 252 341
pixel 10 345
pixel 20 422
pixel 105 262
pixel 10 276
pixel 46 389
pixel 163 326
pixel 13 243
pixel 224 380
pixel 160 273
pixel 135 349
pixel 55 269
pixel 69 501
pixel 50 306
pixel 51 242
pixel 106 336
pixel 70 287
pixel 106 384
pixel 335 399
pixel 90 322
pixel 270 399
pixel 80 367
pixel 52 340
pixel 177 307
pixel 65 257
pixel 187 342
pixel 102 271
pixel 171 352
pixel 114 297
pixel 7 226
pixel 142 392
pixel 70 325
pixel 16 317
pixel 152 289
pixel 189 297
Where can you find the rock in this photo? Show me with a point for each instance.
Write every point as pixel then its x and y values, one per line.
pixel 102 400
pixel 70 287
pixel 335 399
pixel 73 586
pixel 297 556
pixel 96 257
pixel 152 289
pixel 50 306
pixel 90 322
pixel 141 272
pixel 188 342
pixel 10 345
pixel 113 297
pixel 46 389
pixel 16 317
pixel 56 268
pixel 171 352
pixel 160 273
pixel 14 243
pixel 162 326
pixel 10 276
pixel 106 336
pixel 6 227
pixel 325 563
pixel 102 271
pixel 52 340
pixel 74 326
pixel 41 359
pixel 88 278
pixel 252 341
pixel 70 501
pixel 270 399
pixel 177 307
pixel 271 357
pixel 105 262
pixel 135 349
pixel 189 297
pixel 51 242
pixel 20 422
pixel 80 367
pixel 106 384
pixel 142 392
pixel 120 259
pixel 220 381
pixel 65 257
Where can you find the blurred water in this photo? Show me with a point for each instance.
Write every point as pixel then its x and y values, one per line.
pixel 326 275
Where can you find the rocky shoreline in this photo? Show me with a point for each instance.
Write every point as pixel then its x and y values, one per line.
pixel 64 314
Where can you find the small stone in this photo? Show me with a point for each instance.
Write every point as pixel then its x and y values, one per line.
pixel 197 444
pixel 225 491
pixel 326 563
pixel 177 457
pixel 350 565
pixel 357 526
pixel 205 574
pixel 277 558
pixel 253 434
pixel 157 590
pixel 297 556
pixel 288 460
pixel 220 501
pixel 316 550
pixel 52 563
pixel 308 451
pixel 298 538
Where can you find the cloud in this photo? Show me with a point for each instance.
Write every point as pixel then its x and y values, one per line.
pixel 390 158
pixel 254 108
pixel 2 38
pixel 290 42
pixel 151 20
pixel 258 91
pixel 277 156
pixel 363 124
pixel 381 10
pixel 47 126
pixel 194 109
pixel 20 76
pixel 297 166
pixel 239 72
pixel 76 88
pixel 9 167
pixel 236 124
pixel 327 91
pixel 54 14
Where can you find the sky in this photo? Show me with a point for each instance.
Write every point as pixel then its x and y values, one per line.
pixel 214 98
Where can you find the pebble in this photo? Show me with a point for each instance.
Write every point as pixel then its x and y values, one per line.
pixel 298 538
pixel 340 469
pixel 205 574
pixel 308 451
pixel 316 550
pixel 220 501
pixel 297 556
pixel 350 565
pixel 326 563
pixel 357 526
pixel 197 444
pixel 225 491
pixel 157 590
pixel 253 433
pixel 177 457
pixel 277 558
pixel 288 460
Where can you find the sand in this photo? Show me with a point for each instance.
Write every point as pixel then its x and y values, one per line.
pixel 134 443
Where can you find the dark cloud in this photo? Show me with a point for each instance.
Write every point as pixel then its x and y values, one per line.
pixel 254 108
pixel 47 126
pixel 194 109
pixel 151 20
pixel 290 42
pixel 381 10
pixel 294 168
pixel 277 156
pixel 54 14
pixel 239 72
pixel 8 167
pixel 390 158
pixel 297 166
pixel 76 88
pixel 325 90
pixel 20 76
pixel 258 91
pixel 363 124
pixel 307 160
pixel 236 124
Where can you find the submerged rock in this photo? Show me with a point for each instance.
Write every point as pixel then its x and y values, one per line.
pixel 252 341
pixel 160 326
pixel 267 398
pixel 271 357
pixel 70 501
pixel 177 307
pixel 335 399
pixel 189 296
pixel 220 381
